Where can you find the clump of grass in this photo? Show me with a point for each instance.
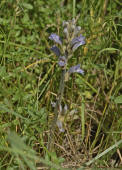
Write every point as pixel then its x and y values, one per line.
pixel 30 79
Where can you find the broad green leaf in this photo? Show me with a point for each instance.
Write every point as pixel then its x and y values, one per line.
pixel 27 6
pixel 118 99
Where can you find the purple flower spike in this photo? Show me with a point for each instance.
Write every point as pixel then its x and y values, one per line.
pixel 76 69
pixel 55 38
pixel 62 61
pixel 56 50
pixel 78 41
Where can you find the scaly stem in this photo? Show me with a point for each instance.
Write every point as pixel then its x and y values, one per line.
pixel 57 109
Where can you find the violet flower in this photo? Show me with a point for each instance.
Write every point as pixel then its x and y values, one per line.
pixel 76 69
pixel 55 38
pixel 62 61
pixel 78 41
pixel 56 50
pixel 60 126
pixel 53 104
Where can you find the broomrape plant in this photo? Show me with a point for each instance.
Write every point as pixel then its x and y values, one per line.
pixel 64 51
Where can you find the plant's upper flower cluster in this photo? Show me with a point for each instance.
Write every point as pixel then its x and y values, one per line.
pixel 75 43
pixel 71 32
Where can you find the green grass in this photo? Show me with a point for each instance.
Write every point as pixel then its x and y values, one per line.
pixel 30 79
